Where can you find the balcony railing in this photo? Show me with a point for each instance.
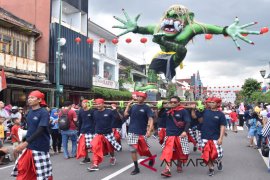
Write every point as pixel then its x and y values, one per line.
pixel 23 64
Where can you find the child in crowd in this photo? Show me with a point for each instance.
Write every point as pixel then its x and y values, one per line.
pixel 234 119
pixel 253 129
pixel 14 134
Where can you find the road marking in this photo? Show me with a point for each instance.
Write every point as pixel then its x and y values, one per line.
pixel 153 158
pixel 121 170
pixel 7 167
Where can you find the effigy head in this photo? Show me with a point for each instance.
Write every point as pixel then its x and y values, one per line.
pixel 175 19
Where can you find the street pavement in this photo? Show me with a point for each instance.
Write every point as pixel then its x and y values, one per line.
pixel 239 162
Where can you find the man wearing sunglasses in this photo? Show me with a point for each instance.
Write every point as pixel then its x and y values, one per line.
pixel 175 146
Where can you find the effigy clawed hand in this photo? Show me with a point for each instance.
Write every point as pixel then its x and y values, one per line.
pixel 129 24
pixel 236 31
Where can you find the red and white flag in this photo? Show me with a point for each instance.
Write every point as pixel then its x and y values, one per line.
pixel 3 81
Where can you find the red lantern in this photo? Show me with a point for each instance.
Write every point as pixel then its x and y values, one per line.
pixel 143 40
pixel 128 40
pixel 90 41
pixel 115 41
pixel 208 36
pixel 264 30
pixel 78 40
pixel 102 40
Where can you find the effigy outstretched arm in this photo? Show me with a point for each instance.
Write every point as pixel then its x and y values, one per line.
pixel 235 31
pixel 130 25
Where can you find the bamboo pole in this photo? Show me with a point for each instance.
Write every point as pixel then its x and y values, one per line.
pixel 154 107
pixel 150 102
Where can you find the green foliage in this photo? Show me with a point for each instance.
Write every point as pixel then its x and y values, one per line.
pixel 111 94
pixel 128 71
pixel 260 97
pixel 121 82
pixel 128 79
pixel 250 86
pixel 267 97
pixel 239 97
pixel 187 94
pixel 171 90
pixel 251 93
pixel 256 97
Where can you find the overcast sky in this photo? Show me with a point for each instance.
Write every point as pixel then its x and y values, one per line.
pixel 218 60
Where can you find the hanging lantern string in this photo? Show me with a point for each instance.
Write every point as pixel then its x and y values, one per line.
pixel 114 41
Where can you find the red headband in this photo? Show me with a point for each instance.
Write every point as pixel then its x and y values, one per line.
pixel 208 100
pixel 39 95
pixel 85 101
pixel 216 100
pixel 99 101
pixel 141 94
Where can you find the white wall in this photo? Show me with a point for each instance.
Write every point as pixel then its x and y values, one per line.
pixel 55 8
pixel 84 23
pixel 75 21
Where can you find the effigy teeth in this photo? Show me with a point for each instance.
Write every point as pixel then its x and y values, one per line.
pixel 176 25
pixel 162 24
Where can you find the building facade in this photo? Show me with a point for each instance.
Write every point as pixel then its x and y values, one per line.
pixel 191 88
pixel 18 57
pixel 76 55
pixel 76 59
pixel 131 72
pixel 105 66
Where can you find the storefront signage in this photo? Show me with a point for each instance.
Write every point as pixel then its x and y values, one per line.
pixel 105 83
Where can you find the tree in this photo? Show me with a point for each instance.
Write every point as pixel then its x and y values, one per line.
pixel 171 90
pixel 250 86
pixel 257 96
pixel 267 97
pixel 239 97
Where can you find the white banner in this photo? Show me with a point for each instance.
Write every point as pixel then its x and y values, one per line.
pixel 105 83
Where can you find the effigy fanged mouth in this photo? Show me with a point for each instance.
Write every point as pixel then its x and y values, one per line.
pixel 171 25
